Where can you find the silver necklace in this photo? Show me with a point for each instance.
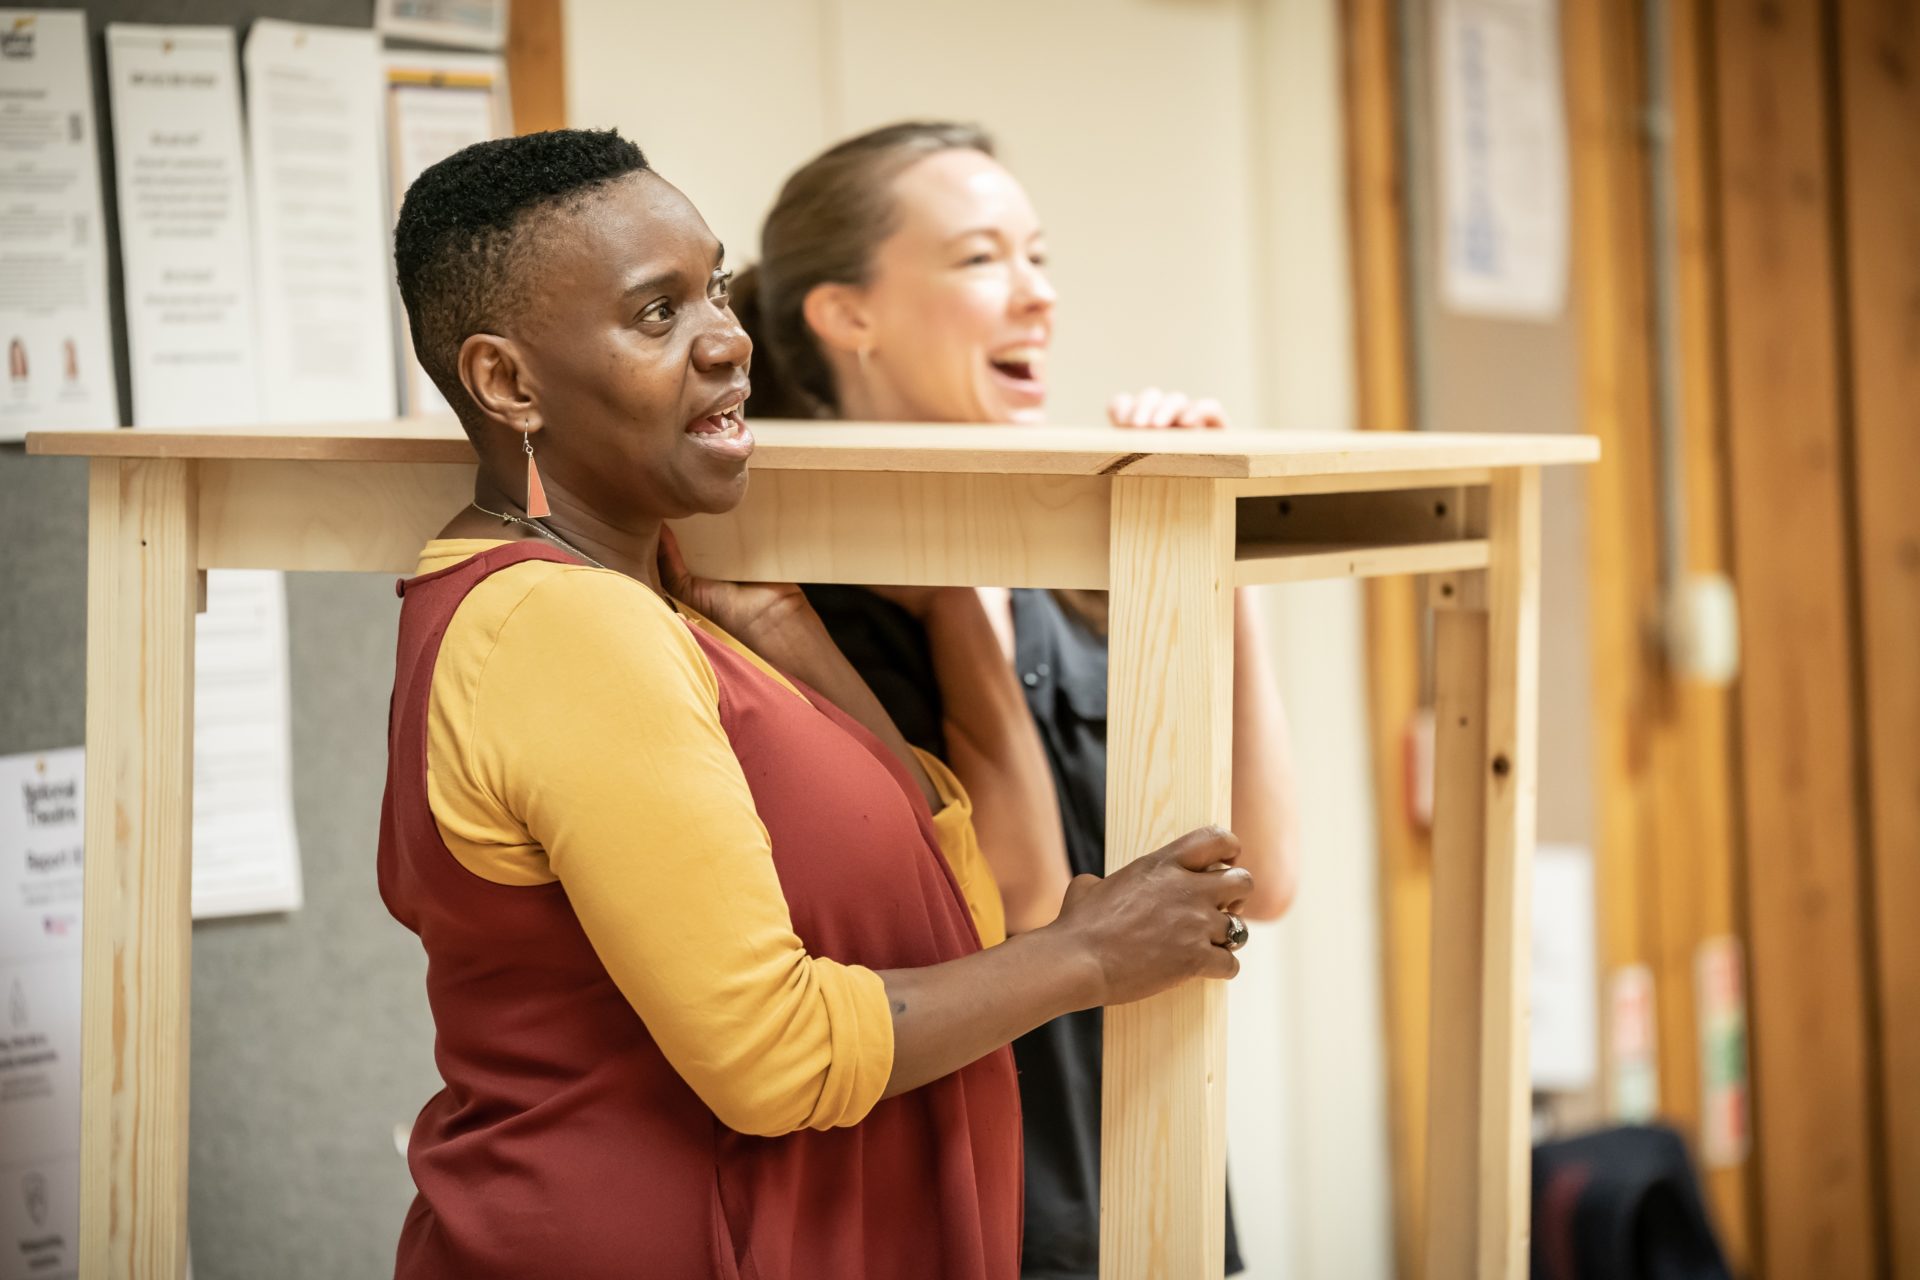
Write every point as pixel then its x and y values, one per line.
pixel 507 518
pixel 541 529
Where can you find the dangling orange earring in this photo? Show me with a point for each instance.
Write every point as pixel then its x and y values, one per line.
pixel 537 506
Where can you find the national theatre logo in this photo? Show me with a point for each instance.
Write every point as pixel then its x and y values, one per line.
pixel 16 40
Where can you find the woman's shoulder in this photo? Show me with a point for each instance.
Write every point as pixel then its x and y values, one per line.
pixel 586 618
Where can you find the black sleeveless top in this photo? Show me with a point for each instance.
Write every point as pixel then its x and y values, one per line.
pixel 1062 666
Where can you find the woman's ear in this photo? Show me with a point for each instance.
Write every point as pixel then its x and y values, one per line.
pixel 491 370
pixel 837 314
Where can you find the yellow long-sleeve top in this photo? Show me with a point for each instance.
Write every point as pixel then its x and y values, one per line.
pixel 667 865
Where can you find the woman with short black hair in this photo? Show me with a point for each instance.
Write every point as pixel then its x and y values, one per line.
pixel 711 950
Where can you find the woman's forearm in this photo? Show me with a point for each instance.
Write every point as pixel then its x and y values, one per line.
pixel 1155 922
pixel 994 749
pixel 1265 815
pixel 948 1015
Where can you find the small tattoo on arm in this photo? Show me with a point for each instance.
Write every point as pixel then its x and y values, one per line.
pixel 899 1006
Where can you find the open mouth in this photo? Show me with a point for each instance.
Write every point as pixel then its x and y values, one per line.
pixel 1021 365
pixel 724 431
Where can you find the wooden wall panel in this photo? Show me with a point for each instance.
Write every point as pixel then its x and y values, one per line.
pixel 1666 849
pixel 1879 69
pixel 537 65
pixel 1816 1209
pixel 1377 220
pixel 1610 293
pixel 1694 782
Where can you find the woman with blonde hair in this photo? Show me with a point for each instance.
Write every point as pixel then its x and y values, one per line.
pixel 902 278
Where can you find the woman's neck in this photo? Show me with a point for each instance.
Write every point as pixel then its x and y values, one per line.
pixel 624 548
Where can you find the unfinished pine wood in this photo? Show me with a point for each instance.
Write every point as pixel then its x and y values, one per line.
pixel 537 64
pixel 1486 782
pixel 1377 228
pixel 1169 544
pixel 1879 72
pixel 1812 1092
pixel 880 528
pixel 1313 456
pixel 1359 482
pixel 1411 514
pixel 1452 1095
pixel 1457 590
pixel 1271 562
pixel 801 526
pixel 135 965
pixel 1511 776
pixel 1169 769
pixel 325 516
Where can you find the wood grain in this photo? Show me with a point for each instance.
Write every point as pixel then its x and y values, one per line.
pixel 1813 1103
pixel 915 447
pixel 1377 229
pixel 893 527
pixel 135 953
pixel 1510 774
pixel 537 64
pixel 1879 69
pixel 1692 764
pixel 1262 563
pixel 1452 1097
pixel 1486 782
pixel 1169 769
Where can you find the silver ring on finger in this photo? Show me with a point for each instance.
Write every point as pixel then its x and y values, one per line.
pixel 1237 934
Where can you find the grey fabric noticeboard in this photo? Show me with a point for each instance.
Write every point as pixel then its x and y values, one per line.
pixel 311 1035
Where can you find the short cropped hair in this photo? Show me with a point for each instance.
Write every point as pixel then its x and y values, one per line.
pixel 471 228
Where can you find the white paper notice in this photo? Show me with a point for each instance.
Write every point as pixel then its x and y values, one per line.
pixel 246 857
pixel 42 803
pixel 322 257
pixel 1503 157
pixel 53 256
pixel 1565 1023
pixel 471 24
pixel 185 239
pixel 437 103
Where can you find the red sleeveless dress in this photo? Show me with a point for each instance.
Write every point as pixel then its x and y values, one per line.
pixel 565 1145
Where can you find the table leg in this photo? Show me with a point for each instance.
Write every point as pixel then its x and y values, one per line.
pixel 137 926
pixel 1169 745
pixel 1487 677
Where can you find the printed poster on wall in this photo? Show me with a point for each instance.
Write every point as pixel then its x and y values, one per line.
pixel 42 810
pixel 323 257
pixel 1502 153
pixel 437 103
pixel 469 24
pixel 53 253
pixel 186 238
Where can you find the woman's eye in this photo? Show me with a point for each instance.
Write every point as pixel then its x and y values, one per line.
pixel 1037 259
pixel 720 286
pixel 657 313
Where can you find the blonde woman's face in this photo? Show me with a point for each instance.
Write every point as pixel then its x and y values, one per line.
pixel 959 302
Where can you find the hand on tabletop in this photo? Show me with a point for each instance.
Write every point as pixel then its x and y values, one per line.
pixel 1154 408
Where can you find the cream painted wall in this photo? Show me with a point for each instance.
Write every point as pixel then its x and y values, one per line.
pixel 1186 157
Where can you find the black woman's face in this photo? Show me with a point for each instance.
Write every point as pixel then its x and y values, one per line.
pixel 638 364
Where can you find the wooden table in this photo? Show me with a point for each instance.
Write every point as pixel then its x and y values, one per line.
pixel 1169 523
